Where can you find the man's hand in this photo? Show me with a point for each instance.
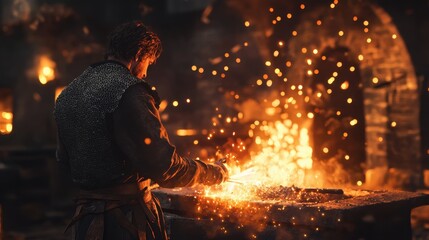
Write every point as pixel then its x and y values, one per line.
pixel 221 163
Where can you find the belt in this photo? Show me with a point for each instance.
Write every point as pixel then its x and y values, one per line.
pixel 102 200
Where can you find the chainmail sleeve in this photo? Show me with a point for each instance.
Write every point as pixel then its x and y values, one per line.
pixel 141 136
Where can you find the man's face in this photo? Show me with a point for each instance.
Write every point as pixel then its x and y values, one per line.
pixel 139 68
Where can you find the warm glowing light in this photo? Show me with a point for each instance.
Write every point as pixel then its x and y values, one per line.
pixel 226 55
pixel 332 5
pixel 349 100
pixel 7 115
pixel 200 70
pixel 302 6
pixel 175 103
pixel 194 68
pixel 352 69
pixel 359 183
pixel 267 63
pixel 294 33
pixel 365 23
pixel 271 10
pixel 375 80
pixel 276 53
pixel 270 111
pixel 339 64
pixel 329 91
pixel 310 115
pixel 393 124
pixel 259 82
pixel 46 72
pixel 325 150
pixel 247 23
pixel 315 51
pixel 188 100
pixel 355 18
pixel 278 18
pixel 319 22
pixel 196 142
pixel 331 80
pixel 368 40
pixel 147 141
pixel 338 113
pixel 58 91
pixel 289 15
pixel 275 103
pixel 269 83
pixel 226 68
pixel 335 74
pixel 237 60
pixel 214 72
pixel 353 122
pixel 186 132
pixel 304 50
pixel 360 57
pixel 394 36
pixel 288 63
pixel 309 73
pixel 340 33
pixel 345 85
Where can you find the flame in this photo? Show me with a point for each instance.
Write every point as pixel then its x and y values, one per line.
pixel 283 159
pixel 46 70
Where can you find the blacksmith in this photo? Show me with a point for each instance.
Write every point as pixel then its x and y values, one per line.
pixel 112 139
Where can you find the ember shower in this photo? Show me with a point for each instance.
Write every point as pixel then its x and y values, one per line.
pixel 300 121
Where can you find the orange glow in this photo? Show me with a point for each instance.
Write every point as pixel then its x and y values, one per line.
pixel 286 146
pixel 6 126
pixel 186 132
pixel 345 85
pixel 58 91
pixel 46 70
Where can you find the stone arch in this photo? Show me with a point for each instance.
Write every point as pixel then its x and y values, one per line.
pixel 389 84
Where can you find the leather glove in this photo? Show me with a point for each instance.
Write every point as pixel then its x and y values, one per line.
pixel 224 171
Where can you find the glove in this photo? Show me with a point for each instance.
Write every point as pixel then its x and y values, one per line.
pixel 224 171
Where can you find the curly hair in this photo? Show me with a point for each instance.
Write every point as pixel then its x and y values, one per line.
pixel 133 40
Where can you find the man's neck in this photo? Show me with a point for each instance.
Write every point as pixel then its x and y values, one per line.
pixel 126 64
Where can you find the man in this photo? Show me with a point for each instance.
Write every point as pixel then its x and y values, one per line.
pixel 111 137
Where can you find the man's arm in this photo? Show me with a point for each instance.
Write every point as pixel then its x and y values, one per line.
pixel 139 133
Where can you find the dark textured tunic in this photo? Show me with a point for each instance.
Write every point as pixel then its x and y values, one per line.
pixel 140 141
